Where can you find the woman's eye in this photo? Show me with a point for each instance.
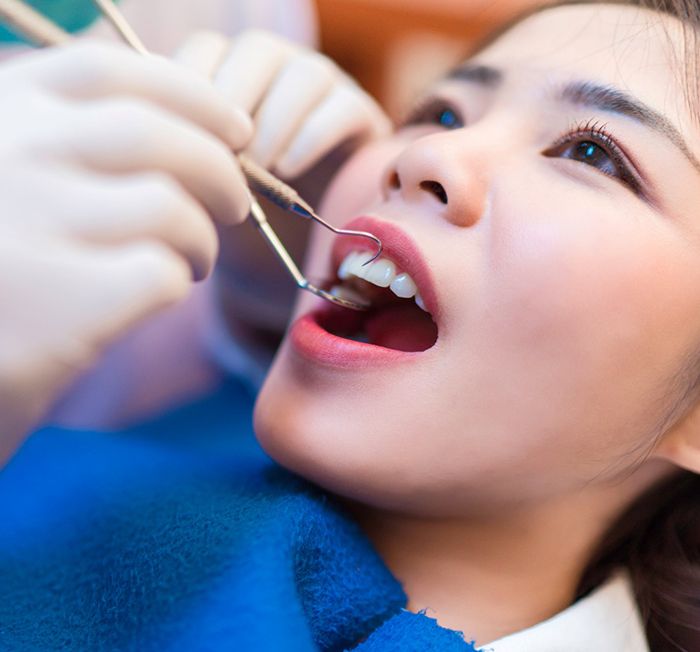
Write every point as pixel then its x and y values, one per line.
pixel 596 148
pixel 436 112
pixel 447 117
pixel 592 154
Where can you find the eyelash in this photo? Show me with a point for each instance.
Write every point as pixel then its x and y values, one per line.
pixel 436 111
pixel 598 134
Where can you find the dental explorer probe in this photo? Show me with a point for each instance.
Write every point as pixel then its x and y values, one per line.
pixel 41 31
pixel 258 178
pixel 265 184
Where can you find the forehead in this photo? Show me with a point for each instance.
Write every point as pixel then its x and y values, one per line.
pixel 636 50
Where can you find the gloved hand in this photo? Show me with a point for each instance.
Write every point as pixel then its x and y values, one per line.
pixel 303 106
pixel 113 166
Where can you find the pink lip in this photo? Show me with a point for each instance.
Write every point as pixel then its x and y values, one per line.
pixel 315 343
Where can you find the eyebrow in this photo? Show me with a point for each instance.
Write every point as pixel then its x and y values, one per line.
pixel 613 100
pixel 478 74
pixel 589 94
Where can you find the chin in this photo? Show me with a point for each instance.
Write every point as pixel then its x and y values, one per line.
pixel 325 448
pixel 295 441
pixel 293 432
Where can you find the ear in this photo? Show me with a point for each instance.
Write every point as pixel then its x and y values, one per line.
pixel 681 443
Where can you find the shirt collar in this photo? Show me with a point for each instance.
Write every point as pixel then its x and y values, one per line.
pixel 606 619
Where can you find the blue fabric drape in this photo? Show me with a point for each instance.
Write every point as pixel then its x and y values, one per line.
pixel 180 534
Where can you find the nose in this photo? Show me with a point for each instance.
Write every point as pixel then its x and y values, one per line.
pixel 442 172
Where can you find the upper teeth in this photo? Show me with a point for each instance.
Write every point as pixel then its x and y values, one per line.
pixel 381 272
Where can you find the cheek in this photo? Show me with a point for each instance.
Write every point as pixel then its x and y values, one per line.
pixel 562 331
pixel 359 182
pixel 598 308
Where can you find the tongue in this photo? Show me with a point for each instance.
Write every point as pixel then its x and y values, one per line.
pixel 401 327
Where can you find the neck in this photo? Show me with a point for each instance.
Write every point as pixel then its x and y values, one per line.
pixel 493 576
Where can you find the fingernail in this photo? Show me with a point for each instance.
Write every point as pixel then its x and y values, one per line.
pixel 240 129
pixel 243 209
pixel 289 167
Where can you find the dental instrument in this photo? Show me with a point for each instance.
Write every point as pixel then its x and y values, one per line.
pixel 43 32
pixel 265 184
pixel 25 20
pixel 113 15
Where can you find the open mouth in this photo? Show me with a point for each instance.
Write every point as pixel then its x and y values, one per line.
pixel 398 286
pixel 398 318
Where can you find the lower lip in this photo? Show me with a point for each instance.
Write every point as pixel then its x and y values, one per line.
pixel 315 344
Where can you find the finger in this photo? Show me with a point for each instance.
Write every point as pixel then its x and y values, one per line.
pixel 346 113
pixel 249 68
pixel 297 89
pixel 126 136
pixel 90 70
pixel 138 280
pixel 142 207
pixel 88 295
pixel 203 53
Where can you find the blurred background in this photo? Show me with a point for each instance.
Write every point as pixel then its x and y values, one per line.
pixel 395 47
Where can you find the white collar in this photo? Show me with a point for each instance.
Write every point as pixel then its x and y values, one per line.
pixel 606 619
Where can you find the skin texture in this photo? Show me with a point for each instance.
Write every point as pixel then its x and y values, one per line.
pixel 487 467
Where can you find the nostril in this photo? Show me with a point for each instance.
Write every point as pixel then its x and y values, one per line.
pixel 436 189
pixel 394 181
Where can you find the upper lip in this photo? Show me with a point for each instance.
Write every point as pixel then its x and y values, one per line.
pixel 398 247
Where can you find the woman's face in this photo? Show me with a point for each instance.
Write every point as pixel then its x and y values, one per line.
pixel 545 201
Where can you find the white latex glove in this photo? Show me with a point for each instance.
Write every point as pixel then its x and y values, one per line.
pixel 302 104
pixel 113 166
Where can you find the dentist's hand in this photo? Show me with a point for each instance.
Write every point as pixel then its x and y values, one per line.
pixel 113 169
pixel 302 104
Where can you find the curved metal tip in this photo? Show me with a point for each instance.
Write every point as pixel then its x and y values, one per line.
pixel 364 234
pixel 378 242
pixel 361 234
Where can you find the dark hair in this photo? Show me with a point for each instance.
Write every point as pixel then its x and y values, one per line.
pixel 657 538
